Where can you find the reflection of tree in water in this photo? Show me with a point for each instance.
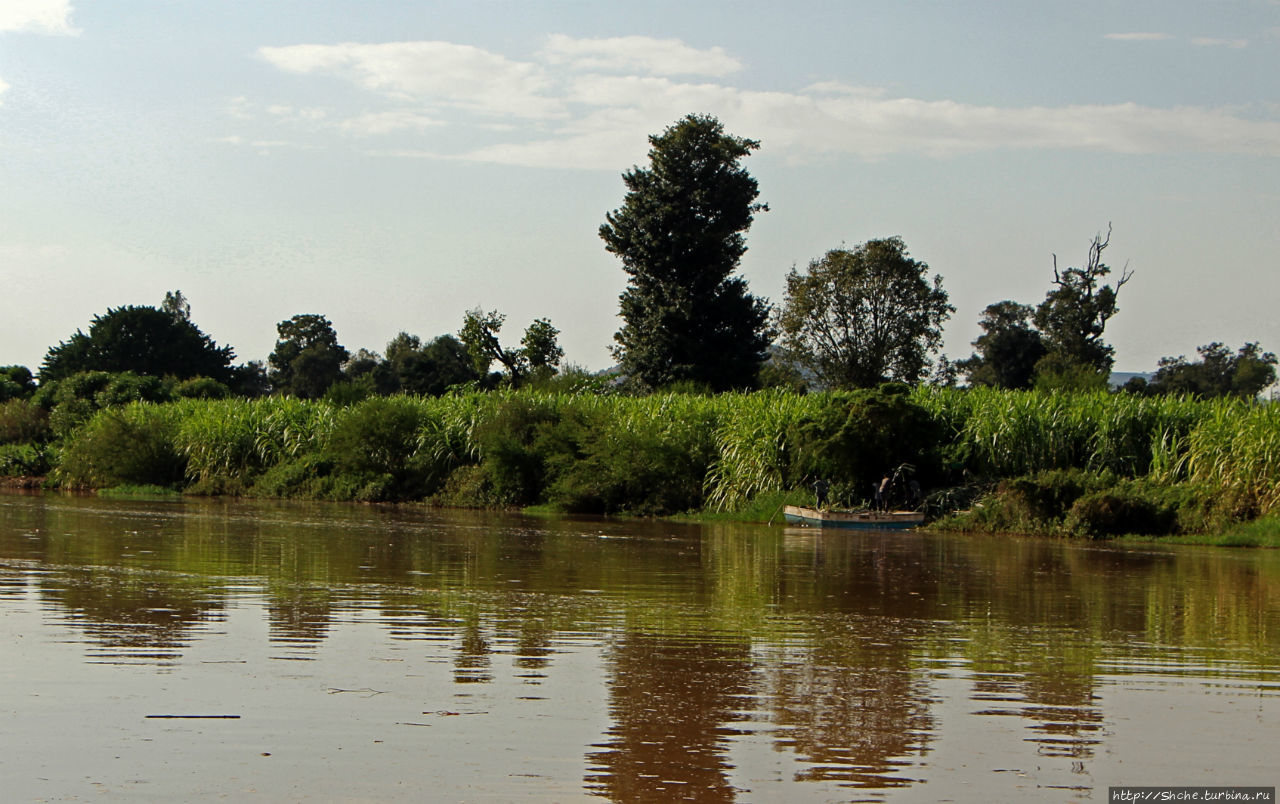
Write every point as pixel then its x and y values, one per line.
pixel 852 705
pixel 472 663
pixel 132 616
pixel 1046 678
pixel 670 698
pixel 12 584
pixel 299 615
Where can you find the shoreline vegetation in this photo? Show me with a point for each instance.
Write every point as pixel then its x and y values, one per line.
pixel 1084 465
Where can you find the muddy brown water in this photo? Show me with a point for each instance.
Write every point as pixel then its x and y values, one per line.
pixel 182 650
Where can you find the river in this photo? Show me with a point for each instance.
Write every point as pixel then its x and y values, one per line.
pixel 188 649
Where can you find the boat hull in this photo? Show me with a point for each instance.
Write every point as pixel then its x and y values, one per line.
pixel 858 520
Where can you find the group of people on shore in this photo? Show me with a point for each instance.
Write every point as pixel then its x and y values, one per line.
pixel 881 492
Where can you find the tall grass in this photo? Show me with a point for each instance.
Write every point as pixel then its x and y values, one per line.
pixel 671 452
pixel 1007 433
pixel 1236 449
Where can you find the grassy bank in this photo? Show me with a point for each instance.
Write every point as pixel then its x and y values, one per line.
pixel 1093 465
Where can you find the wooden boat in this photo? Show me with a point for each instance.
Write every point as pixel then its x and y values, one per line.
pixel 871 520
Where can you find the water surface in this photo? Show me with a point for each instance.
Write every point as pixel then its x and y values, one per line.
pixel 355 653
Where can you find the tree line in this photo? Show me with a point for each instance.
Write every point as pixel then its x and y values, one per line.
pixel 853 318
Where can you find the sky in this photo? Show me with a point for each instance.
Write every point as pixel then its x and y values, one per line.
pixel 391 165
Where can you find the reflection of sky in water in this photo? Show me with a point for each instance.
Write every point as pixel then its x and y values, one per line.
pixel 384 650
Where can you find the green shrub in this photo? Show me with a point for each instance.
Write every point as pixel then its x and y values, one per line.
pixel 855 438
pixel 201 388
pixel 516 442
pixel 373 444
pixel 1137 507
pixel 24 460
pixel 22 422
pixel 133 446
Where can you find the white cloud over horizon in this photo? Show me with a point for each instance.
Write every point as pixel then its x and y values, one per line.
pixel 653 56
pixel 37 16
pixel 577 111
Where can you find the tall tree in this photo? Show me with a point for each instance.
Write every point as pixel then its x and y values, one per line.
pixel 680 234
pixel 1075 313
pixel 1008 349
pixel 859 318
pixel 143 340
pixel 307 358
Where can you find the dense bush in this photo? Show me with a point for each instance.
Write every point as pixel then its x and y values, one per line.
pixel 1138 508
pixel 24 460
pixel 133 445
pixel 856 438
pixel 22 422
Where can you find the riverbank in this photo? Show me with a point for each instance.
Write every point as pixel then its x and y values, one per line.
pixel 1084 465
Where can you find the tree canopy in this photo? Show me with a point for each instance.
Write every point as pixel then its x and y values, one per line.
pixel 1075 312
pixel 539 352
pixel 862 317
pixel 680 234
pixel 1007 351
pixel 307 358
pixel 1217 373
pixel 143 340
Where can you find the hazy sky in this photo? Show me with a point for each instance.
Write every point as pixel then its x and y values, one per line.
pixel 391 165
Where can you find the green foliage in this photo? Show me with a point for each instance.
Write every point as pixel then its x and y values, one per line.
pixel 374 443
pixel 307 358
pixel 541 348
pixel 142 340
pixel 22 422
pixel 1218 373
pixel 132 445
pixel 862 317
pixel 517 442
pixel 856 438
pixel 1138 507
pixel 1211 462
pixel 1057 371
pixel 201 388
pixel 1075 311
pixel 24 460
pixel 16 382
pixel 1236 448
pixel 680 236
pixel 72 400
pixel 641 456
pixel 1007 350
pixel 1034 503
pixel 538 355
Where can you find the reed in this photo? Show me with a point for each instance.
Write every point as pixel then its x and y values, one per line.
pixel 1236 449
pixel 671 452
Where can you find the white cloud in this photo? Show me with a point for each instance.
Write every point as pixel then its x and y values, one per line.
pixel 38 16
pixel 586 118
pixel 1138 36
pixel 642 53
pixel 1205 41
pixel 3 87
pixel 375 123
pixel 459 76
